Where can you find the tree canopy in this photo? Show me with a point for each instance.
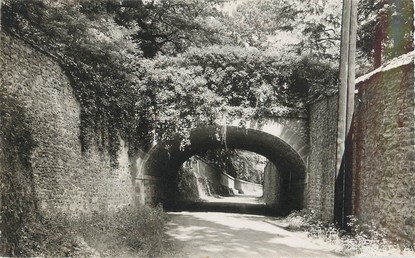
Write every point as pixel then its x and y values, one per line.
pixel 386 29
pixel 146 68
pixel 171 27
pixel 198 86
pixel 308 27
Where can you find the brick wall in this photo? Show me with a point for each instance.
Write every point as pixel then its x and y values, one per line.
pixel 384 152
pixel 322 157
pixel 65 180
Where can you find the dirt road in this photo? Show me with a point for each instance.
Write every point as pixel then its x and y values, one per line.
pixel 215 234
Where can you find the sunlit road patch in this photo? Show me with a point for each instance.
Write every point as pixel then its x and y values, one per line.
pixel 214 234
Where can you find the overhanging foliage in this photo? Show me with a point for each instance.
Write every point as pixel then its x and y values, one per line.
pixel 125 95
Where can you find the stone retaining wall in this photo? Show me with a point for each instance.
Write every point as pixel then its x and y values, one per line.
pixel 322 157
pixel 384 151
pixel 65 180
pixel 272 186
pixel 245 187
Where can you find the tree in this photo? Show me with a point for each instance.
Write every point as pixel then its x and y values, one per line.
pixel 131 93
pixel 98 57
pixel 385 29
pixel 254 22
pixel 170 27
pixel 197 87
pixel 320 23
pixel 240 164
pixel 310 28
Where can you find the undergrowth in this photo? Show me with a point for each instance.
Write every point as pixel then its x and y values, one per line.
pixel 363 238
pixel 130 232
pixel 133 231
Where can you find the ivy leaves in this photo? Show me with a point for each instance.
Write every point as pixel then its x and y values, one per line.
pixel 180 100
pixel 170 27
pixel 198 87
pixel 146 69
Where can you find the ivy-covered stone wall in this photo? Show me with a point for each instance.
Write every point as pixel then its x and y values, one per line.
pixel 64 178
pixel 384 151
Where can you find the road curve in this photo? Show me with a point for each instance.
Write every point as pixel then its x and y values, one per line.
pixel 217 235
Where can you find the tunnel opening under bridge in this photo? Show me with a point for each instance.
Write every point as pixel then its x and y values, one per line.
pixel 285 151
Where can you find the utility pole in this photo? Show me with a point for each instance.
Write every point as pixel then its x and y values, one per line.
pixel 346 99
pixel 347 75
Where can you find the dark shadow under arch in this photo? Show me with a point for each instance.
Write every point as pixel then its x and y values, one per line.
pixel 163 162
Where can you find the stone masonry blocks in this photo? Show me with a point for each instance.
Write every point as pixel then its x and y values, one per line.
pixel 322 157
pixel 65 179
pixel 384 150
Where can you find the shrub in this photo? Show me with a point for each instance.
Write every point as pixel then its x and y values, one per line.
pixel 138 230
pixel 143 228
pixel 363 238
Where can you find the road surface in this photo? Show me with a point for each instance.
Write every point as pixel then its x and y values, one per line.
pixel 247 204
pixel 216 235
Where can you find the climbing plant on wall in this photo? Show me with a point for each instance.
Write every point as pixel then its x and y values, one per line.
pixel 95 53
pixel 16 176
pixel 139 69
pixel 202 85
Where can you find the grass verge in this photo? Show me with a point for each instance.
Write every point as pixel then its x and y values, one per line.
pixel 135 231
pixel 362 240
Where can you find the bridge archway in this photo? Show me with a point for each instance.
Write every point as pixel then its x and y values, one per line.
pixel 285 150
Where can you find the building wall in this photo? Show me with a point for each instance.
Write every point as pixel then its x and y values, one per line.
pixel 384 151
pixel 65 180
pixel 322 157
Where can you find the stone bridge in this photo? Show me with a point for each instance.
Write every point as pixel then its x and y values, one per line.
pixel 280 140
pixel 64 180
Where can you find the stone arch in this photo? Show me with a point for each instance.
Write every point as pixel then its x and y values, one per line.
pixel 282 147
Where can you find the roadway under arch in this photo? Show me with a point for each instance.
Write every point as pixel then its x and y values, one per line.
pixel 164 162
